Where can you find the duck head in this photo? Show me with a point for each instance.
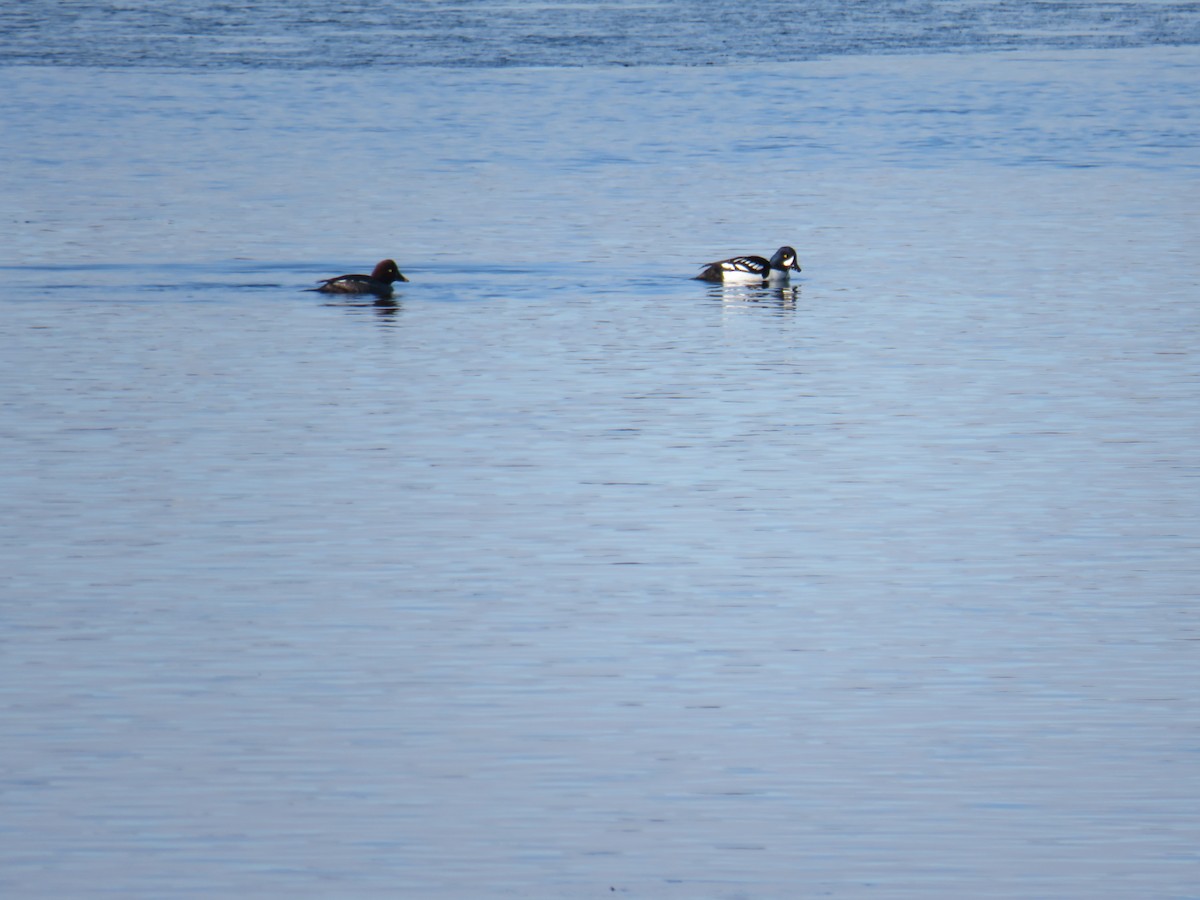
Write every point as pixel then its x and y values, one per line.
pixel 387 272
pixel 785 258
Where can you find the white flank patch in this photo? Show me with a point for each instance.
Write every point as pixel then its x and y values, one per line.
pixel 738 276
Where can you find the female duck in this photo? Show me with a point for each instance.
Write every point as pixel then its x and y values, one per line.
pixel 753 269
pixel 379 282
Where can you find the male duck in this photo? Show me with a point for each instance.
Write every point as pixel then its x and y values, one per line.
pixel 753 269
pixel 379 282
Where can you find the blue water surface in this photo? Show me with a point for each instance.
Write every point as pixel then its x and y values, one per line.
pixel 561 574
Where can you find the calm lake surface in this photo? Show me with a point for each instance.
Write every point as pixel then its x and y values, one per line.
pixel 564 575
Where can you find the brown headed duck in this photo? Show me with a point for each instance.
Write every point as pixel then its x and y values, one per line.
pixel 379 282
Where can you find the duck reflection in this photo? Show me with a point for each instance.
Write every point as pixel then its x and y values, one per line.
pixel 734 295
pixel 384 308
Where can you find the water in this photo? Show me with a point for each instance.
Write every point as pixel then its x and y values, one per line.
pixel 493 33
pixel 564 575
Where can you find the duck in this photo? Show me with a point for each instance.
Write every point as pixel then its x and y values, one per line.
pixel 753 269
pixel 379 282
